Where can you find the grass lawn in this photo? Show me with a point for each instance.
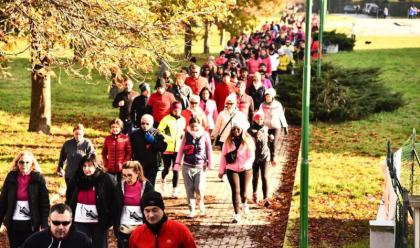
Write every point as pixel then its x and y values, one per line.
pixel 345 175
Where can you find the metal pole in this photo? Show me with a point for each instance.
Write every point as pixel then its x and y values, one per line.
pixel 304 171
pixel 322 13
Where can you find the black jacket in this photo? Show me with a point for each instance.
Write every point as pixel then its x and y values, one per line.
pixel 104 188
pixel 257 95
pixel 262 151
pixel 119 200
pixel 39 202
pixel 45 239
pixel 147 153
pixel 138 109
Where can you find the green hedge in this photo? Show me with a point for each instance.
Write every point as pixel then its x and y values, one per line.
pixel 332 37
pixel 342 94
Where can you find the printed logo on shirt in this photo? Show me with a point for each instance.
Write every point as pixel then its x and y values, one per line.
pixel 86 213
pixel 131 215
pixel 22 211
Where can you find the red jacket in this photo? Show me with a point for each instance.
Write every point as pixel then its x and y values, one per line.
pixel 116 150
pixel 196 84
pixel 172 234
pixel 160 105
pixel 220 94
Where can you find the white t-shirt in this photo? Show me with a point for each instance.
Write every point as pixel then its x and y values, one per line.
pixel 274 61
pixel 86 213
pixel 22 211
pixel 131 215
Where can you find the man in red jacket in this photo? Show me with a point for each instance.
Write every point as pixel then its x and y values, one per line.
pixel 222 91
pixel 116 149
pixel 195 81
pixel 158 230
pixel 160 102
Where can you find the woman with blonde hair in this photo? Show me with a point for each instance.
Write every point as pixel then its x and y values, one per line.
pixel 128 193
pixel 238 154
pixel 24 200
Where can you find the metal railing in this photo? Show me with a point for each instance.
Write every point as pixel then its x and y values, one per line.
pixel 403 180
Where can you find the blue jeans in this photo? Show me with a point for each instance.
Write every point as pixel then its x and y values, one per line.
pixel 95 232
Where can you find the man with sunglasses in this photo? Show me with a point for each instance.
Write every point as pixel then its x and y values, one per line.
pixel 61 232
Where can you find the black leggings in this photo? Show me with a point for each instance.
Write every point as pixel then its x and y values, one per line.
pixel 168 161
pixel 239 182
pixel 262 166
pixel 274 145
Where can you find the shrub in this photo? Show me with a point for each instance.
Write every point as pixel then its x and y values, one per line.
pixel 332 37
pixel 342 94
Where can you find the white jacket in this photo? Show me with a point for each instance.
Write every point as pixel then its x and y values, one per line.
pixel 223 118
pixel 273 115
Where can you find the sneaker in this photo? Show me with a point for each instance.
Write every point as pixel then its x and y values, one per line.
pixel 202 209
pixel 191 215
pixel 174 192
pixel 236 218
pixel 266 203
pixel 255 198
pixel 245 208
pixel 162 185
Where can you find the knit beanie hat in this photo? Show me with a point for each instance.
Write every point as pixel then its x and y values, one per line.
pixel 271 92
pixel 160 83
pixel 258 115
pixel 144 87
pixel 152 198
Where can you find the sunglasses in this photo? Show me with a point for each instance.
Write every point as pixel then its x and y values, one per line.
pixel 229 103
pixel 144 123
pixel 236 129
pixel 57 223
pixel 24 162
pixel 193 103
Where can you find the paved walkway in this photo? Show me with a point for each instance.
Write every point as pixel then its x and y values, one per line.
pixel 215 228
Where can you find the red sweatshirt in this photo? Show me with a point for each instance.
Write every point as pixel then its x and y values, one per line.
pixel 160 104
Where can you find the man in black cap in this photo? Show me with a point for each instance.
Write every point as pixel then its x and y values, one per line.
pixel 139 106
pixel 159 229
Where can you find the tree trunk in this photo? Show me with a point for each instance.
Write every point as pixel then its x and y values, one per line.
pixel 188 41
pixel 222 36
pixel 206 37
pixel 40 120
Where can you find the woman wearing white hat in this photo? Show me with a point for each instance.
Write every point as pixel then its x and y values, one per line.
pixel 238 154
pixel 225 120
pixel 274 119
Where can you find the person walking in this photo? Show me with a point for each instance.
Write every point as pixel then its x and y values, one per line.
pixel 116 150
pixel 225 120
pixel 123 101
pixel 194 110
pixel 160 102
pixel 72 153
pixel 195 157
pixel 236 159
pixel 128 194
pixel 139 105
pixel 209 107
pixel 274 120
pixel 159 231
pixel 172 128
pixel 24 201
pixel 263 156
pixel 147 144
pixel 61 232
pixel 90 196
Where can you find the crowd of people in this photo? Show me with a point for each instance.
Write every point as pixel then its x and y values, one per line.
pixel 228 104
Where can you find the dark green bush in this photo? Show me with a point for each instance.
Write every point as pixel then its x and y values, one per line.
pixel 332 37
pixel 342 94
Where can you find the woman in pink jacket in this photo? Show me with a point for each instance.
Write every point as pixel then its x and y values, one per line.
pixel 238 154
pixel 209 107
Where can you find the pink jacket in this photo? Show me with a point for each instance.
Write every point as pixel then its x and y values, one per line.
pixel 253 65
pixel 210 109
pixel 209 151
pixel 244 160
